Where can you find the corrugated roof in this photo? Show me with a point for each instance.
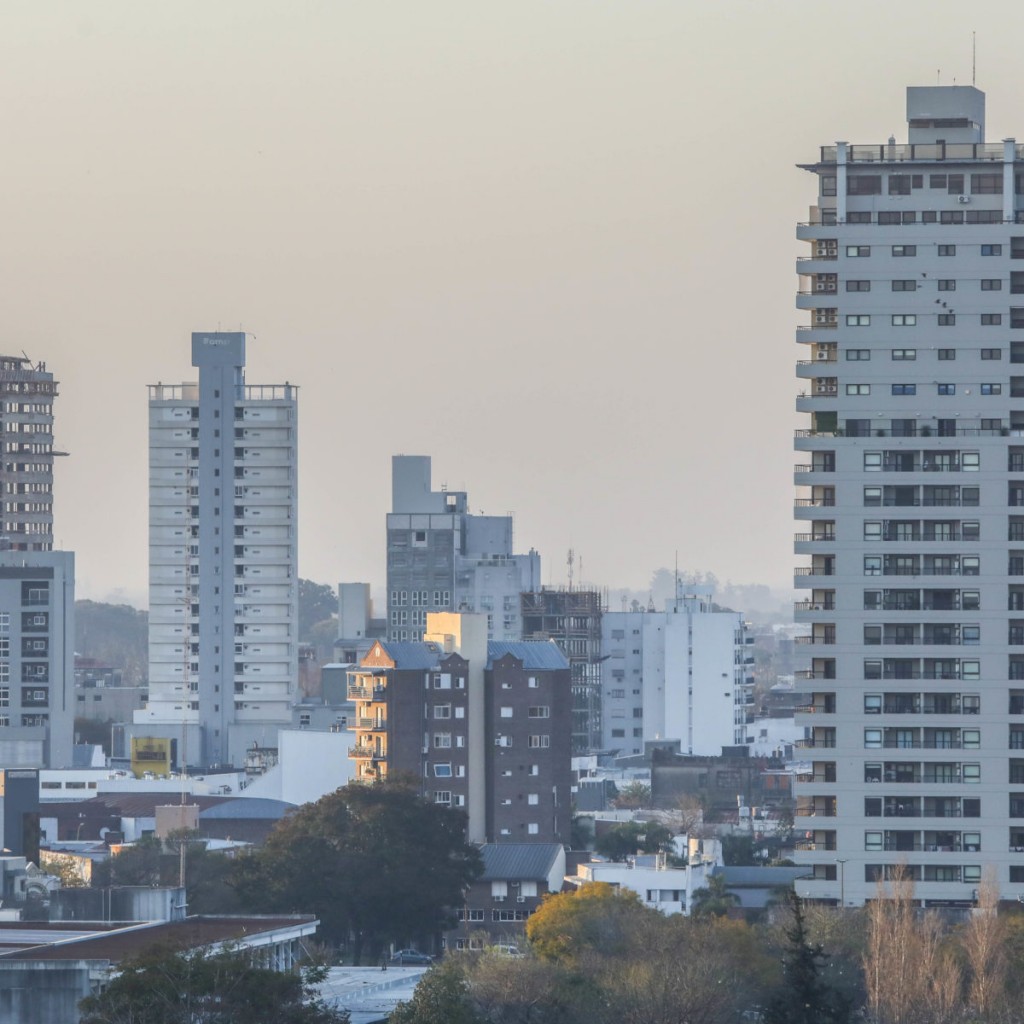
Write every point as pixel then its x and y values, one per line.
pixel 535 654
pixel 530 861
pixel 412 654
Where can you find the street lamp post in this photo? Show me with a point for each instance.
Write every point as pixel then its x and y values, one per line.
pixel 842 881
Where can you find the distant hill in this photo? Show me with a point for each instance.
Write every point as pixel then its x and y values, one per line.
pixel 114 634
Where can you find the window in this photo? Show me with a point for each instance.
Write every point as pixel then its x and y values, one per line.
pixel 872 461
pixel 539 742
pixel 991 284
pixel 872 565
pixel 443 711
pixel 987 184
pixel 991 353
pixel 991 250
pixel 904 319
pixel 858 320
pixel 505 712
pixel 872 496
pixel 947 320
pixel 828 184
pixel 858 250
pixel 858 355
pixel 539 712
pixel 991 389
pixel 864 185
pixel 532 828
pixel 904 353
pixel 858 286
pixel 443 771
pixel 947 354
pixel 904 389
pixel 947 284
pixel 443 796
pixel 947 250
pixel 904 286
pixel 872 738
pixel 442 740
pixel 946 389
pixel 904 250
pixel 858 389
pixel 991 319
pixel 872 531
pixel 531 683
pixel 872 840
pixel 899 184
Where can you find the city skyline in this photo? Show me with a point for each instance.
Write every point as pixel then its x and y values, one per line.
pixel 549 209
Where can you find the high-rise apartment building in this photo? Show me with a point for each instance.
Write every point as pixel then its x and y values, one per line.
pixel 684 674
pixel 26 419
pixel 910 484
pixel 223 596
pixel 441 557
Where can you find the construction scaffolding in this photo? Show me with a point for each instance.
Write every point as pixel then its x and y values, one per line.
pixel 572 618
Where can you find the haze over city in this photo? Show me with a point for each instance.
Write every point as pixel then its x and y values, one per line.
pixel 548 244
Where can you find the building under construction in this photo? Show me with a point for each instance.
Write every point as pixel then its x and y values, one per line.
pixel 572 618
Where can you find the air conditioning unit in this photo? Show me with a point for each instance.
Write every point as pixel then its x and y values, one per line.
pixel 520 899
pixel 823 355
pixel 963 199
pixel 499 899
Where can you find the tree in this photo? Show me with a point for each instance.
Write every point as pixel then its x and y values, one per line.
pixel 162 986
pixel 804 998
pixel 441 997
pixel 317 602
pixel 631 837
pixel 375 863
pixel 633 796
pixel 714 900
pixel 983 940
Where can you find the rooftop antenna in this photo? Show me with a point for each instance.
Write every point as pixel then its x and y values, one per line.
pixel 974 57
pixel 569 562
pixel 938 77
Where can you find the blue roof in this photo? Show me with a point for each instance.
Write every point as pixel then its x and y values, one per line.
pixel 535 654
pixel 412 654
pixel 529 861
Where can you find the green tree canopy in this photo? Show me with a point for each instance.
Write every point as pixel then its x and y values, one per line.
pixel 162 986
pixel 714 900
pixel 376 863
pixel 317 602
pixel 631 837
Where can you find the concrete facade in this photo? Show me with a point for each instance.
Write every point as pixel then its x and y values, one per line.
pixel 909 489
pixel 441 557
pixel 223 644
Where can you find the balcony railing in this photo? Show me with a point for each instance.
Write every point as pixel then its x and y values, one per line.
pixel 814 502
pixel 815 606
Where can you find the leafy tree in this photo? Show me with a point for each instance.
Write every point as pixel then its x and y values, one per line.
pixel 441 997
pixel 738 850
pixel 115 635
pixel 805 998
pixel 95 731
pixel 633 796
pixel 714 900
pixel 162 986
pixel 622 841
pixel 373 862
pixel 317 602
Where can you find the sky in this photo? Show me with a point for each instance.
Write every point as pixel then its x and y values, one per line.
pixel 549 243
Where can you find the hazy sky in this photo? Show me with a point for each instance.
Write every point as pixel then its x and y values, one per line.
pixel 548 242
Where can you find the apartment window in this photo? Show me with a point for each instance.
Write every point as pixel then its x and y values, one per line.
pixel 858 286
pixel 532 683
pixel 858 320
pixel 904 354
pixel 991 284
pixel 991 353
pixel 506 712
pixel 443 796
pixel 872 565
pixel 946 389
pixel 947 284
pixel 987 184
pixel 947 354
pixel 443 771
pixel 828 184
pixel 442 711
pixel 873 497
pixel 858 389
pixel 872 461
pixel 872 531
pixel 970 565
pixel 904 286
pixel 899 184
pixel 539 742
pixel 904 250
pixel 858 250
pixel 442 740
pixel 991 319
pixel 947 320
pixel 947 250
pixel 904 389
pixel 539 712
pixel 991 389
pixel 872 739
pixel 904 319
pixel 864 185
pixel 991 250
pixel 951 217
pixel 858 355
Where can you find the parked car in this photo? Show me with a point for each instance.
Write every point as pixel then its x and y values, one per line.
pixel 410 956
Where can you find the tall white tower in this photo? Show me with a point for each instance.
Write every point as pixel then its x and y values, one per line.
pixel 910 485
pixel 223 619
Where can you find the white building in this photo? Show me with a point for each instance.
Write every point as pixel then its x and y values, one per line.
pixel 223 619
pixel 682 674
pixel 910 482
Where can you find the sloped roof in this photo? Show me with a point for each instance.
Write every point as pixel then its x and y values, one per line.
pixel 412 654
pixel 760 877
pixel 261 808
pixel 530 861
pixel 535 654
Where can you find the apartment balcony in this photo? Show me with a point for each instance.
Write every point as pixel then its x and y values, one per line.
pixel 814 367
pixel 827 639
pixel 821 743
pixel 803 571
pixel 811 846
pixel 816 299
pixel 814 606
pixel 362 751
pixel 812 503
pixel 372 724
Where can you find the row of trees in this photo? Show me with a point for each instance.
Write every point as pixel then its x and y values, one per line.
pixel 600 956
